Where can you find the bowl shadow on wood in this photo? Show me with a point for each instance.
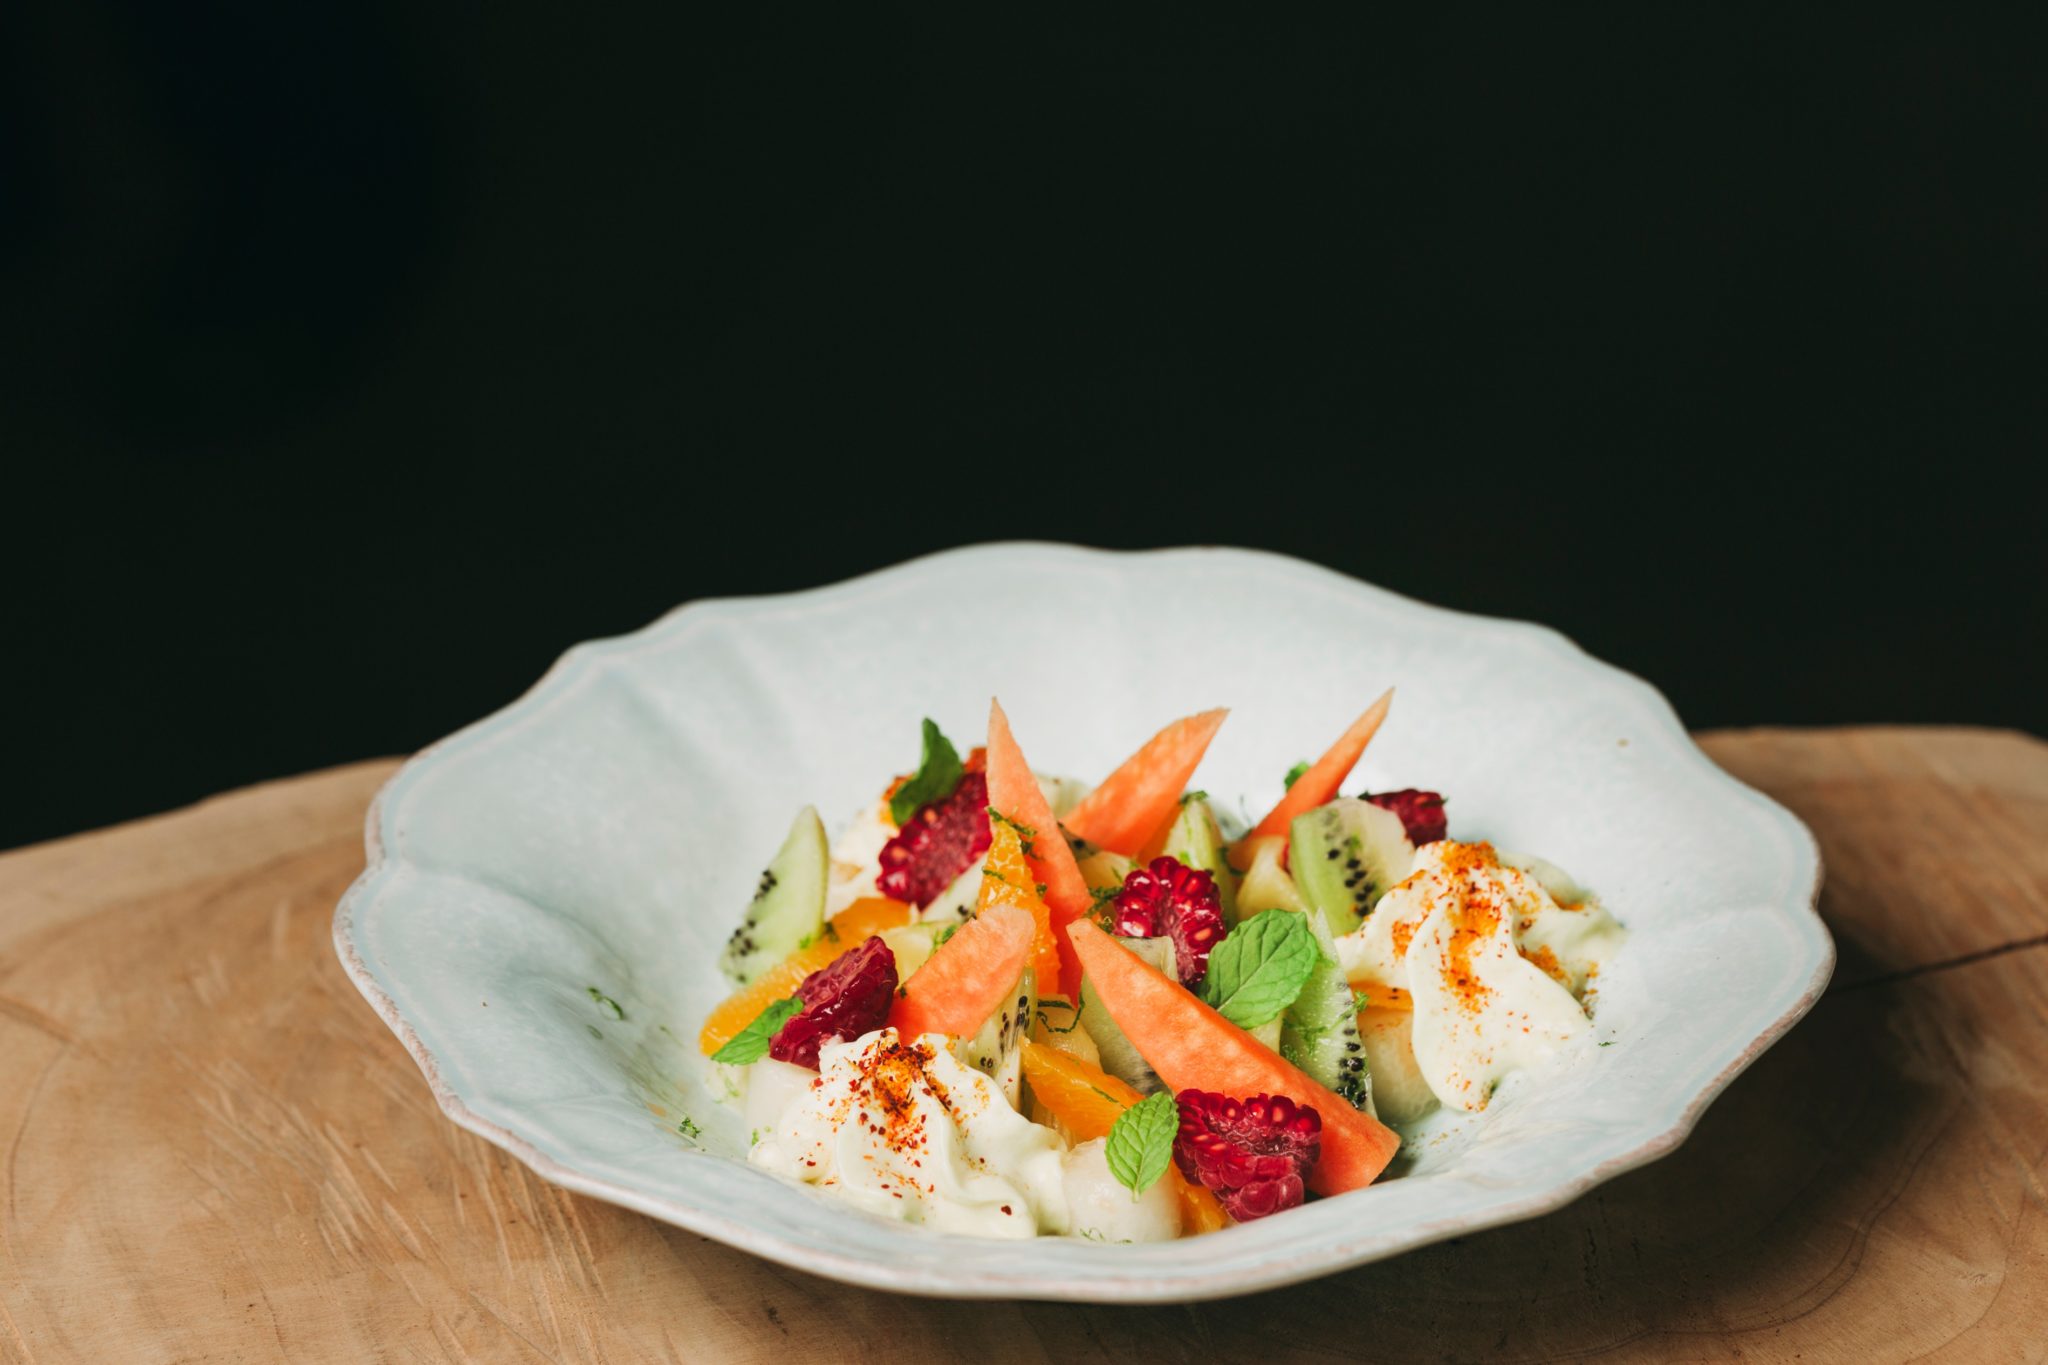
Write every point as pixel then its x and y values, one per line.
pixel 1772 1200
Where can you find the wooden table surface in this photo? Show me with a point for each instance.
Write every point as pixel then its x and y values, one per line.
pixel 215 1152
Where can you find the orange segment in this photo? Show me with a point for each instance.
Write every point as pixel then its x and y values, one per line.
pixel 1084 1101
pixel 1383 997
pixel 1199 1210
pixel 869 916
pixel 1006 880
pixel 779 982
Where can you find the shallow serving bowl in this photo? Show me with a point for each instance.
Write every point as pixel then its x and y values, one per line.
pixel 600 836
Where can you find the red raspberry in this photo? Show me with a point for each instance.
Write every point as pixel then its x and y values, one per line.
pixel 1169 897
pixel 1421 812
pixel 1254 1155
pixel 937 844
pixel 841 1002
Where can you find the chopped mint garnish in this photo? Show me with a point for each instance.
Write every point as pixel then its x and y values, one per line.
pixel 1193 796
pixel 1608 1043
pixel 1260 966
pixel 1360 1001
pixel 752 1043
pixel 1297 772
pixel 938 772
pixel 689 1129
pixel 1072 1023
pixel 1141 1142
pixel 939 941
pixel 1025 833
pixel 606 1003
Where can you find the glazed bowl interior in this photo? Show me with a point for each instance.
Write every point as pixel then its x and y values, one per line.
pixel 599 838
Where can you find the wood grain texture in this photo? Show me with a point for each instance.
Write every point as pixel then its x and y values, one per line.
pixel 213 1151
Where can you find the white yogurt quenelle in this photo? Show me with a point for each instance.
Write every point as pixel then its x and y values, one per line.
pixel 1103 1209
pixel 906 1130
pixel 1494 966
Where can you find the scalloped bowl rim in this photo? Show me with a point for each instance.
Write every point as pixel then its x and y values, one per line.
pixel 1085 1283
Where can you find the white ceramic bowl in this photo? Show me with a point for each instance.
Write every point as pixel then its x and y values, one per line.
pixel 605 830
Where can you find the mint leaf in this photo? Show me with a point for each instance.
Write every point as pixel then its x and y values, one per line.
pixel 938 772
pixel 605 1002
pixel 752 1043
pixel 1141 1142
pixel 1260 966
pixel 1297 772
pixel 1360 1001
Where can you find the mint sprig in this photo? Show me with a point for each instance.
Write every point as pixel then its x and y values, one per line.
pixel 1260 966
pixel 1141 1142
pixel 1297 772
pixel 752 1043
pixel 938 772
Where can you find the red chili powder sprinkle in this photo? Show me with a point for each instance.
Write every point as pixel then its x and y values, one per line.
pixel 1474 920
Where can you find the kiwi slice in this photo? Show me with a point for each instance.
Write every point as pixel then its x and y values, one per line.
pixel 997 1048
pixel 956 904
pixel 1320 1029
pixel 1119 1057
pixel 1344 856
pixel 1198 843
pixel 788 909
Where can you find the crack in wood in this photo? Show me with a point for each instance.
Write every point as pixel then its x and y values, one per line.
pixel 1960 960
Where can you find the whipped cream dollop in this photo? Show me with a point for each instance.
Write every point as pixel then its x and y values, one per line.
pixel 856 857
pixel 1494 953
pixel 903 1128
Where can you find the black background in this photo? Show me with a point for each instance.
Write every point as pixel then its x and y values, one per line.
pixel 358 358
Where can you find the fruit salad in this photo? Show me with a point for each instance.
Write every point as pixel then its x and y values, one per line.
pixel 1009 1005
